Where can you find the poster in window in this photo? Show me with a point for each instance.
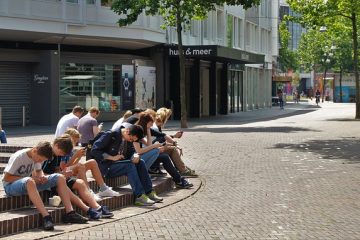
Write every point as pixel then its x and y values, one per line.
pixel 145 86
pixel 127 86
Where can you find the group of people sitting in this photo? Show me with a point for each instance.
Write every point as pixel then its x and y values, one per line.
pixel 135 147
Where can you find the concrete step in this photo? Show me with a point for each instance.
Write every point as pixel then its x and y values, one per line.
pixel 11 203
pixel 4 157
pixel 9 148
pixel 27 218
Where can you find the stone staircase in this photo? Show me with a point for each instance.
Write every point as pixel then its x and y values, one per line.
pixel 18 215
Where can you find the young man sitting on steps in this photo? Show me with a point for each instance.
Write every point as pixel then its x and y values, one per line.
pixel 62 145
pixel 23 175
pixel 108 152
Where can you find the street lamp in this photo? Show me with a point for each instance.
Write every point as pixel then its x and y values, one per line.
pixel 328 53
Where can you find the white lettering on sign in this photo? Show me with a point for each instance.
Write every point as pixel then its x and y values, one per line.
pixel 190 52
pixel 40 79
pixel 245 56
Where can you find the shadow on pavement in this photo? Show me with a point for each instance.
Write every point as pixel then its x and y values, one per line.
pixel 280 129
pixel 347 149
pixel 343 120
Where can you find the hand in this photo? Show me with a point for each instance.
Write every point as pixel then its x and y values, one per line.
pixel 116 157
pixel 81 152
pixel 67 172
pixel 157 144
pixel 136 158
pixel 178 134
pixel 40 180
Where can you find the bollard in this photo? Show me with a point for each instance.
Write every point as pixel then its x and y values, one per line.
pixel 24 117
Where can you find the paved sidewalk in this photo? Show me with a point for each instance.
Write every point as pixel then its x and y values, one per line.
pixel 266 174
pixel 29 135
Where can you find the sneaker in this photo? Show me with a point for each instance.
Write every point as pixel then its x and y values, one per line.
pixel 108 193
pixel 95 196
pixel 189 173
pixel 153 196
pixel 105 212
pixel 144 200
pixel 48 223
pixel 93 214
pixel 157 172
pixel 184 184
pixel 73 217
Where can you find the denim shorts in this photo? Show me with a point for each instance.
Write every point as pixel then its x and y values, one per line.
pixel 18 187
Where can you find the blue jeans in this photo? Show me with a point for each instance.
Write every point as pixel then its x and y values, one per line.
pixel 18 187
pixel 165 159
pixel 150 157
pixel 3 136
pixel 137 174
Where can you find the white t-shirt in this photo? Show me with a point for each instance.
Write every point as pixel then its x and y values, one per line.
pixel 67 121
pixel 20 164
pixel 117 124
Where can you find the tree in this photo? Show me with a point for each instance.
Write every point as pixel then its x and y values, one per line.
pixel 178 14
pixel 287 58
pixel 317 13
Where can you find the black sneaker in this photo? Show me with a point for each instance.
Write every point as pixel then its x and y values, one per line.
pixel 105 212
pixel 156 172
pixel 185 184
pixel 73 217
pixel 48 223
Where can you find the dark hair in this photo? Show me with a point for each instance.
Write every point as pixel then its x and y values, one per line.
pixel 144 119
pixel 136 110
pixel 136 130
pixel 64 143
pixel 44 149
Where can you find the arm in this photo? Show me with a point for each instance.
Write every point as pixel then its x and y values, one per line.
pixel 11 178
pixel 99 147
pixel 141 150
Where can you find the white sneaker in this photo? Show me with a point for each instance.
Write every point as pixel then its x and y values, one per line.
pixel 108 193
pixel 95 196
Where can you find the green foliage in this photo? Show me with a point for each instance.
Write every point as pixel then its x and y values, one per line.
pixel 287 58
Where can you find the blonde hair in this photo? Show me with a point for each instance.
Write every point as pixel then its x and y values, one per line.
pixel 127 114
pixel 72 132
pixel 151 112
pixel 163 114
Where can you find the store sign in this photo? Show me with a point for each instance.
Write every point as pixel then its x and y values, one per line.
pixel 40 79
pixel 193 51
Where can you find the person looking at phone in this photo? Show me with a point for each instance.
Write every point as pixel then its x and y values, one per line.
pixel 89 127
pixel 71 163
pixel 144 146
pixel 175 152
pixel 108 151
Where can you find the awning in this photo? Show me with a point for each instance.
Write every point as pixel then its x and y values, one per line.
pixel 218 53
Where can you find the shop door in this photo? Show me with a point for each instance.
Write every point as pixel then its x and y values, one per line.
pixel 14 92
pixel 204 96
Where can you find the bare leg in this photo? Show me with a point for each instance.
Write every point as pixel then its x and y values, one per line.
pixel 63 192
pixel 77 201
pixel 94 168
pixel 84 193
pixel 35 198
pixel 80 172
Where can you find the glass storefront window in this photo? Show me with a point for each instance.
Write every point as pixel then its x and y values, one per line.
pixel 90 85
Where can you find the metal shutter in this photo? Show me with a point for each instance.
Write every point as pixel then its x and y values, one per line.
pixel 14 92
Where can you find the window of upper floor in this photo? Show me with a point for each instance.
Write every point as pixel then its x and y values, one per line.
pixel 194 28
pixel 220 27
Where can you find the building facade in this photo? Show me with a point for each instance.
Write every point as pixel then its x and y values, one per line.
pixel 55 54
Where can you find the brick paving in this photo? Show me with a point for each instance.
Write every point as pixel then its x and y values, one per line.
pixel 266 174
